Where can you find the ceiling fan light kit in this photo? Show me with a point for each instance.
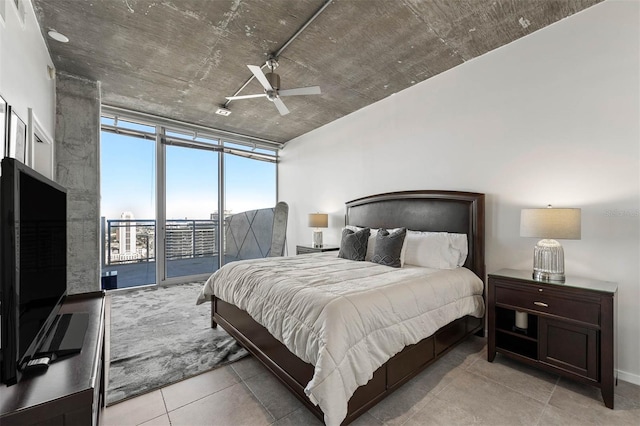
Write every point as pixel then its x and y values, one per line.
pixel 271 84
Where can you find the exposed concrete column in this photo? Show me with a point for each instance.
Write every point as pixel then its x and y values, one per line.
pixel 78 169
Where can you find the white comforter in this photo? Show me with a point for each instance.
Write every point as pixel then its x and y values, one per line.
pixel 347 318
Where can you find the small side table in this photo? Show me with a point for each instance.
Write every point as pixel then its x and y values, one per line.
pixel 304 249
pixel 570 327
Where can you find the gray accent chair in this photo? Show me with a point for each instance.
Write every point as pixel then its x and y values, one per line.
pixel 279 232
pixel 256 233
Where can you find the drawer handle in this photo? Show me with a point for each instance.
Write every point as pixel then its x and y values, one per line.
pixel 541 304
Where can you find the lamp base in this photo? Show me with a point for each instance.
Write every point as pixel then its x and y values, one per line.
pixel 548 261
pixel 317 238
pixel 546 276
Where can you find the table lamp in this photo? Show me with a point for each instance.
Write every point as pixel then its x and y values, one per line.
pixel 549 224
pixel 317 221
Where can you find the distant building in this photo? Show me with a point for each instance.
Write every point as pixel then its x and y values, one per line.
pixel 127 234
pixel 214 215
pixel 190 238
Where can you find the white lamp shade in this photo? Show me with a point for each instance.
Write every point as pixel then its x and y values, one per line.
pixel 550 223
pixel 318 220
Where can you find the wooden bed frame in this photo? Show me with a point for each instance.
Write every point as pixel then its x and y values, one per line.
pixel 436 211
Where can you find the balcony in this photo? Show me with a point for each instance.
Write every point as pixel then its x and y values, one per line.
pixel 190 246
pixel 129 249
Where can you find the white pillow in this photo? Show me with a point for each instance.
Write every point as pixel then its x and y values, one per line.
pixel 439 250
pixel 371 244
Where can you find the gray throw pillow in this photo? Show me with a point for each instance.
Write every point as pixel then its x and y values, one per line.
pixel 389 247
pixel 353 245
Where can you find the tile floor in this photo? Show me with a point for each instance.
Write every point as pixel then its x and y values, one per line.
pixel 461 388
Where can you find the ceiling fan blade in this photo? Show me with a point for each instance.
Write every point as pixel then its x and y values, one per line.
pixel 235 98
pixel 282 108
pixel 257 72
pixel 311 90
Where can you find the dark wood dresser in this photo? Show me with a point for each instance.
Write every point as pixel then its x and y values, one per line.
pixel 570 331
pixel 71 391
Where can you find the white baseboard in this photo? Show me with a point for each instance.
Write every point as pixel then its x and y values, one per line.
pixel 628 377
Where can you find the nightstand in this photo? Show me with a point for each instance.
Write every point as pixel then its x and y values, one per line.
pixel 303 249
pixel 570 331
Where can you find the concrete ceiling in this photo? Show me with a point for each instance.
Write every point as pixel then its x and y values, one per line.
pixel 180 58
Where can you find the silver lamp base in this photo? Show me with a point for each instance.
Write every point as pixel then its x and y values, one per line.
pixel 548 261
pixel 317 238
pixel 545 276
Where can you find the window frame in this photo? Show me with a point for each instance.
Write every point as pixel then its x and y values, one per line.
pixel 168 132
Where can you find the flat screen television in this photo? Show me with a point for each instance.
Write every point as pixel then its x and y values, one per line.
pixel 33 262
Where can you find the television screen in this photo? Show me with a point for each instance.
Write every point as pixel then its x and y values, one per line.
pixel 43 255
pixel 33 240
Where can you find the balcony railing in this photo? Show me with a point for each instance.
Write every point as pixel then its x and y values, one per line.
pixel 133 240
pixel 190 246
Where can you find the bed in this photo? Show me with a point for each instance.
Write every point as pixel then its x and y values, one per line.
pixel 298 369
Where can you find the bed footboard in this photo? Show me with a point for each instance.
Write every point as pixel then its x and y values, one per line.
pixel 295 373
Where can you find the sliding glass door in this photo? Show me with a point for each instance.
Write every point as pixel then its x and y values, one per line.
pixel 191 226
pixel 128 206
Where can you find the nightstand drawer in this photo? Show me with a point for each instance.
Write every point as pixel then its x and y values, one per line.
pixel 551 304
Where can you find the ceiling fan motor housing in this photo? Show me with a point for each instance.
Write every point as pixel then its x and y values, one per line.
pixel 274 80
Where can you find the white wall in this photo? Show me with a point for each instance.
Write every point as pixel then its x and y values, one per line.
pixel 552 118
pixel 24 80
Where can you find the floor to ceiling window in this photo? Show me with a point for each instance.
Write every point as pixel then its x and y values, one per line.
pixel 250 195
pixel 166 223
pixel 128 203
pixel 249 184
pixel 191 220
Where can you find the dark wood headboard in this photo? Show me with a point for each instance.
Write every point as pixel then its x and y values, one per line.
pixel 435 211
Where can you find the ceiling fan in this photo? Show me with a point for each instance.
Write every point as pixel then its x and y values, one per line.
pixel 271 83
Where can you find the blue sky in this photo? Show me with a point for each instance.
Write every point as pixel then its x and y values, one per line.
pixel 128 170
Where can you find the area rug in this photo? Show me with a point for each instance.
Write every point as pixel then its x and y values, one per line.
pixel 159 336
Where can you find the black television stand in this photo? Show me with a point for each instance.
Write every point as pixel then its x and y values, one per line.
pixel 71 392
